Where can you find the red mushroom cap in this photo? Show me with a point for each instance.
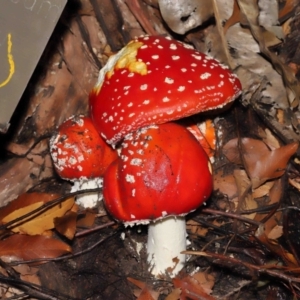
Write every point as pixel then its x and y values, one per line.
pixel 154 80
pixel 78 150
pixel 162 170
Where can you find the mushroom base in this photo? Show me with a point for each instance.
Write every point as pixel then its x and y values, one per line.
pixel 166 239
pixel 87 200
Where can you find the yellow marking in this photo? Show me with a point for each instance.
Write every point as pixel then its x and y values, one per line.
pixel 124 59
pixel 10 62
pixel 128 60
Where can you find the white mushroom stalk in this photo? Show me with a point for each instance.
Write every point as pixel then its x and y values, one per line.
pixel 166 241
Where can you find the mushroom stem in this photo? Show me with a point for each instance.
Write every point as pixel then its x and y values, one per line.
pixel 87 199
pixel 166 241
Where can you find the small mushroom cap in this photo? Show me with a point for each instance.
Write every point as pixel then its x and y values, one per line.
pixel 162 170
pixel 154 80
pixel 78 150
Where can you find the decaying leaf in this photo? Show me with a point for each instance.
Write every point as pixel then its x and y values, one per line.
pixel 234 18
pixel 246 201
pixel 27 273
pixel 206 281
pixel 276 248
pixel 87 219
pixel 250 11
pixel 268 18
pixel 268 138
pixel 25 200
pixel 272 228
pixel 225 184
pixel 37 223
pixel 260 162
pixel 28 247
pixel 66 225
pixel 275 232
pixel 145 293
pixel 263 190
pixel 295 182
pixel 197 285
pixel 174 295
pixel 195 228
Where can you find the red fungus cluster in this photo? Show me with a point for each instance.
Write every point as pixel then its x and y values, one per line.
pixel 162 172
pixel 80 155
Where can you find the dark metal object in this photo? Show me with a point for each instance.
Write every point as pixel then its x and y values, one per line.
pixel 25 28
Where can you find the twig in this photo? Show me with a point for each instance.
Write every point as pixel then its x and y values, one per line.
pixel 231 215
pixel 262 269
pixel 87 231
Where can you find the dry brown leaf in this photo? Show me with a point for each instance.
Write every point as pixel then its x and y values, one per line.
pixel 276 191
pixel 271 223
pixel 66 225
pixel 249 9
pixel 263 190
pixel 242 180
pixel 87 219
pixel 276 248
pixel 275 233
pixel 287 29
pixel 206 281
pixel 25 200
pixel 28 247
pixel 190 286
pixel 243 186
pixel 274 197
pixel 218 223
pixel 146 293
pixel 234 18
pixel 269 138
pixel 260 162
pixel 195 228
pixel 27 273
pixel 225 184
pixel 41 222
pixel 174 295
pixel 295 183
pixel 232 151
